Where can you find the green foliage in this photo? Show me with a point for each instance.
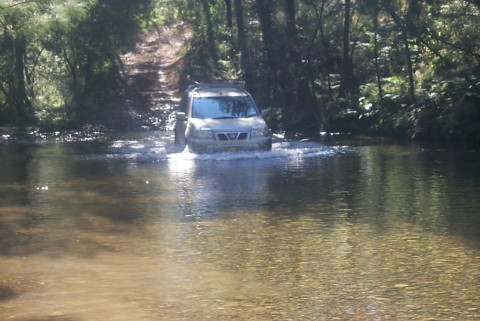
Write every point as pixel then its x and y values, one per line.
pixel 415 64
pixel 341 116
pixel 449 111
pixel 59 57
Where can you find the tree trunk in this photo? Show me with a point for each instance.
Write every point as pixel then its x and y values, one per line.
pixel 346 65
pixel 291 31
pixel 285 64
pixel 21 100
pixel 404 27
pixel 289 68
pixel 375 47
pixel 242 41
pixel 210 30
pixel 326 48
pixel 303 105
pixel 413 15
pixel 228 4
pixel 411 79
pixel 264 14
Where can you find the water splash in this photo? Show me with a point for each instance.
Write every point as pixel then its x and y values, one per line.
pixel 159 147
pixel 143 152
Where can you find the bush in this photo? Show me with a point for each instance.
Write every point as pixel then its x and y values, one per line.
pixel 462 122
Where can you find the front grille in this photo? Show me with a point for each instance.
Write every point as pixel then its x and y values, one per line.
pixel 229 136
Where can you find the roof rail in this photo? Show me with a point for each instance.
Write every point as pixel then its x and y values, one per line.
pixel 223 84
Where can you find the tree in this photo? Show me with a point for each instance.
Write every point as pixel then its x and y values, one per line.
pixel 346 76
pixel 80 39
pixel 242 41
pixel 403 67
pixel 406 26
pixel 228 4
pixel 211 34
pixel 17 22
pixel 265 12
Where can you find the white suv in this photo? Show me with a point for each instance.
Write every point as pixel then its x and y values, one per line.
pixel 220 117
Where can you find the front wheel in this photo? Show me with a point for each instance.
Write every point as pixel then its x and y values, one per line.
pixel 267 146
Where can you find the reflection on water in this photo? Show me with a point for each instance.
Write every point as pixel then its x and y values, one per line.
pixel 129 229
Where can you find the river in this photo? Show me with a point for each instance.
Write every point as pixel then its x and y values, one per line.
pixel 128 228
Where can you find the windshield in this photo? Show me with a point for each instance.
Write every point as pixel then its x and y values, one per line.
pixel 223 107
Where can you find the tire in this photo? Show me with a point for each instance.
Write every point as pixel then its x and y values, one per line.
pixel 179 138
pixel 267 146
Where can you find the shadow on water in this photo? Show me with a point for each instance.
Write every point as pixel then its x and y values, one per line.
pixel 306 231
pixel 6 293
pixel 115 187
pixel 381 185
pixel 77 188
pixel 50 197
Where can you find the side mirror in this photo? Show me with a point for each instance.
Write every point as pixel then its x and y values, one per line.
pixel 266 113
pixel 181 116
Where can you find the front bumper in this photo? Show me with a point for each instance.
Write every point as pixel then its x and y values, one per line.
pixel 214 145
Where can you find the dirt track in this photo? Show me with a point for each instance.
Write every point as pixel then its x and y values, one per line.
pixel 151 77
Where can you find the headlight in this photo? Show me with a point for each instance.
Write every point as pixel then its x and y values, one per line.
pixel 259 131
pixel 202 133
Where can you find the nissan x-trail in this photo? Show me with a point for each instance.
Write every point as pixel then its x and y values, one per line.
pixel 220 117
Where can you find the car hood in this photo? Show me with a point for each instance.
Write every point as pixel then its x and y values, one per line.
pixel 230 124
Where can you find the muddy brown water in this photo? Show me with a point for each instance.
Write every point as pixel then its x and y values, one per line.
pixel 129 229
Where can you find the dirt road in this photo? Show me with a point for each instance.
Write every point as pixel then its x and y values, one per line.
pixel 151 76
